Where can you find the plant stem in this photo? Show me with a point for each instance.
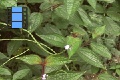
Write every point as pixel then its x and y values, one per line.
pixel 13 58
pixel 66 67
pixel 30 41
pixel 17 40
pixel 38 42
pixel 35 41
pixel 48 48
pixel 62 52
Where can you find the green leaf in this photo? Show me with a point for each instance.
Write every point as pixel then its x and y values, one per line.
pixel 21 74
pixel 8 3
pixel 35 21
pixel 35 69
pixel 115 67
pixel 88 56
pixel 36 78
pixel 71 6
pixel 55 60
pixel 31 59
pixel 49 69
pixel 35 48
pixel 55 39
pixel 108 1
pixel 49 29
pixel 105 76
pixel 118 71
pixel 112 28
pixel 1 78
pixel 114 8
pixel 92 3
pixel 94 69
pixel 79 30
pixel 76 19
pixel 98 31
pixel 96 18
pixel 65 76
pixel 114 15
pixel 3 56
pixel 110 43
pixel 13 46
pixel 115 51
pixel 61 12
pixel 4 71
pixel 45 5
pixel 85 17
pixel 99 8
pixel 59 20
pixel 30 1
pixel 6 77
pixel 74 44
pixel 101 50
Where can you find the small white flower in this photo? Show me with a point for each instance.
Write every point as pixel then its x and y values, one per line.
pixel 44 76
pixel 67 47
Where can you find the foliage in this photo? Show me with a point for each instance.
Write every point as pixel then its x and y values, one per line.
pixel 65 40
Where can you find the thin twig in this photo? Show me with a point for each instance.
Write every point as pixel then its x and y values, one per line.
pixel 37 42
pixel 66 67
pixel 29 41
pixel 17 40
pixel 13 58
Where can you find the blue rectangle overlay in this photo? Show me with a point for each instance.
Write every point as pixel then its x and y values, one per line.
pixel 16 16
pixel 16 24
pixel 16 9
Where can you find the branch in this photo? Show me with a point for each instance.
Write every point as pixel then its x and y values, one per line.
pixel 13 58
